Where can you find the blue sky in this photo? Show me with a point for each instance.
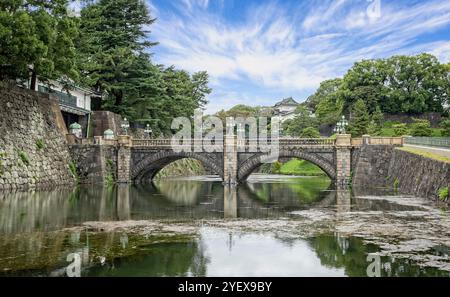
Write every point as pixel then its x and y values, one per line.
pixel 258 52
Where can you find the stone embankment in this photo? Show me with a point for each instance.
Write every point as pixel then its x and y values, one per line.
pixel 381 166
pixel 33 149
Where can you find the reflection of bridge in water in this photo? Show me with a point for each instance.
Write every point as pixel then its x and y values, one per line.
pixel 174 199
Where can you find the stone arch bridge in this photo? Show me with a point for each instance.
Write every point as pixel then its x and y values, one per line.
pixel 139 160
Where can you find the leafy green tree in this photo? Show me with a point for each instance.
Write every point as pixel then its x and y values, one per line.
pixel 36 39
pixel 360 119
pixel 417 84
pixel 242 110
pixel 421 128
pixel 400 129
pixel 310 132
pixel 365 81
pixel 302 120
pixel 400 84
pixel 445 124
pixel 329 110
pixel 326 88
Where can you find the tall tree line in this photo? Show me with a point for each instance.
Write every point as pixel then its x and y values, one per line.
pixel 106 48
pixel 410 85
pixel 399 84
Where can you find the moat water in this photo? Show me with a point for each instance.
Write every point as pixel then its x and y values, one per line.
pixel 270 226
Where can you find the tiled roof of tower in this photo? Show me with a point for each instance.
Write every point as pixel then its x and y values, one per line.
pixel 287 101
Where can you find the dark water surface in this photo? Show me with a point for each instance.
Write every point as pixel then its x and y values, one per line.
pixel 38 230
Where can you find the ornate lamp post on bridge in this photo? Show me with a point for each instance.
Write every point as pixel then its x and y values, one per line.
pixel 341 126
pixel 125 125
pixel 148 131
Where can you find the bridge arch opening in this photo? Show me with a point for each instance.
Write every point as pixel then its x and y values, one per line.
pixel 146 169
pixel 253 163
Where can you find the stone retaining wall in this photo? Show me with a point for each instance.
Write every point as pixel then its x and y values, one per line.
pixel 417 175
pixel 382 166
pixel 33 150
pixel 94 163
pixel 372 167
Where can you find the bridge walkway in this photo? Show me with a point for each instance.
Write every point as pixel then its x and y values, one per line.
pixel 444 152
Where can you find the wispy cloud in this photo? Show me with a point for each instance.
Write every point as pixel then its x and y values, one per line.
pixel 277 48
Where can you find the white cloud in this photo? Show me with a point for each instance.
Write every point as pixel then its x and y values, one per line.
pixel 290 48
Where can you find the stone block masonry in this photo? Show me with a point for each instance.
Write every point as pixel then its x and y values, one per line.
pixel 343 159
pixel 417 175
pixel 33 150
pixel 94 163
pixel 383 166
pixel 372 168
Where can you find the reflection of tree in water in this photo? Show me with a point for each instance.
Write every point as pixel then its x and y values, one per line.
pixel 291 192
pixel 200 261
pixel 351 253
pixel 35 253
pixel 181 192
pixel 159 259
pixel 28 211
pixel 181 199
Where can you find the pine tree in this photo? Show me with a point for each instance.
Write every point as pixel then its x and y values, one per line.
pixel 360 119
pixel 114 60
pixel 111 46
pixel 376 123
pixel 378 117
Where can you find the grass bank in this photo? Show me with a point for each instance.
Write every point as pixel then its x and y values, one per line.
pixel 299 167
pixel 425 154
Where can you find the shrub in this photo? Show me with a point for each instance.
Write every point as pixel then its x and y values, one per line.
pixel 276 167
pixel 110 177
pixel 443 194
pixel 310 132
pixel 396 184
pixel 400 129
pixel 40 144
pixel 445 125
pixel 24 157
pixel 73 170
pixel 421 128
pixel 390 124
pixel 373 129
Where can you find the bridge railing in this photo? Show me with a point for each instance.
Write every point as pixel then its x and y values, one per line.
pixel 306 142
pixel 397 141
pixel 429 141
pixel 247 142
pixel 386 141
pixel 152 142
pixel 357 141
pixel 166 143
